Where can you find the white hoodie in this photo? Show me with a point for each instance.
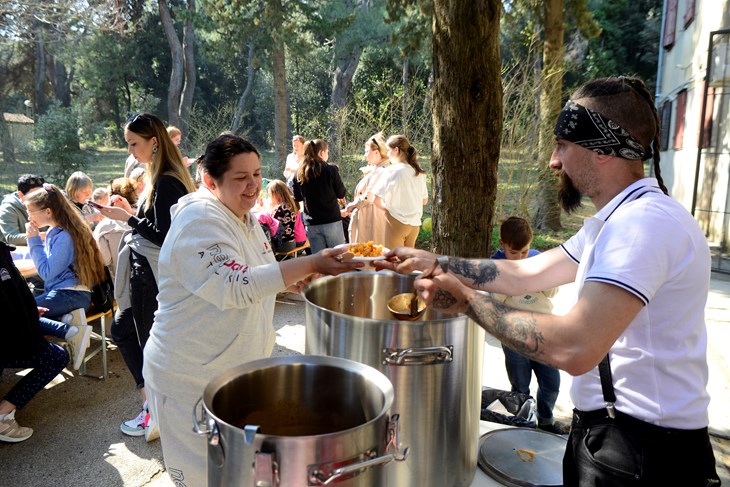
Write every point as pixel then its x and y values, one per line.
pixel 218 281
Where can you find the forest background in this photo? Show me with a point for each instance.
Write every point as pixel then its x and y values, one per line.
pixel 341 70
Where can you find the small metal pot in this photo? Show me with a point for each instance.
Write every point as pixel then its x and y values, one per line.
pixel 298 421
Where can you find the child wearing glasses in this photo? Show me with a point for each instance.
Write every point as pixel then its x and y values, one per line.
pixel 68 261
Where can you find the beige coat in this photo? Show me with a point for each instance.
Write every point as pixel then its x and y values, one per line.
pixel 367 222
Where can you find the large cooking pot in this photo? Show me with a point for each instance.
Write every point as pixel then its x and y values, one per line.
pixel 434 365
pixel 296 421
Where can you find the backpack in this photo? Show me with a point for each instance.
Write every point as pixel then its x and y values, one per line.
pixel 102 294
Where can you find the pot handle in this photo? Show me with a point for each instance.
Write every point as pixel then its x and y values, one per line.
pixel 418 355
pixel 392 449
pixel 200 425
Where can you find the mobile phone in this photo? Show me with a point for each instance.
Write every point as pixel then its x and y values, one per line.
pixel 95 204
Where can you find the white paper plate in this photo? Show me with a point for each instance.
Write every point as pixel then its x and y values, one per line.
pixel 367 260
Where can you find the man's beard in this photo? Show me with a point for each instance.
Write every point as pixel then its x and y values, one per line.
pixel 568 194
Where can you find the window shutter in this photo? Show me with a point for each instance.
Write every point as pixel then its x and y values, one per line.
pixel 670 23
pixel 679 120
pixel 666 112
pixel 689 14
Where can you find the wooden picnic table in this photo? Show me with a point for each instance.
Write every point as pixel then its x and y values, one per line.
pixel 22 260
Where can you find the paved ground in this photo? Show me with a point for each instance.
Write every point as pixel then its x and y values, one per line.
pixel 77 441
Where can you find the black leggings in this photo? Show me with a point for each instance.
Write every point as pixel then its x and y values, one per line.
pixel 48 360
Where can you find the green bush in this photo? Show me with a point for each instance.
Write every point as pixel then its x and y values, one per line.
pixel 56 144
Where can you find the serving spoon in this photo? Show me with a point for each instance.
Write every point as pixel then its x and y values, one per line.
pixel 416 306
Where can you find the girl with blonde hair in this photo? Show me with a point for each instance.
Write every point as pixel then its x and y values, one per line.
pixel 69 262
pixel 367 221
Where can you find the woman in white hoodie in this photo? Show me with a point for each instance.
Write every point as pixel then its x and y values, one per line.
pixel 218 283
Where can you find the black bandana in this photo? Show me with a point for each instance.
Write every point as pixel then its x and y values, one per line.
pixel 591 130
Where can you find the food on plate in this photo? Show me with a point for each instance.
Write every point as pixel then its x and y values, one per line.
pixel 368 249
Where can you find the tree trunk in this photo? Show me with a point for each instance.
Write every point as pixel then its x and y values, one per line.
pixel 174 90
pixel 41 103
pixel 6 144
pixel 404 102
pixel 467 124
pixel 281 115
pixel 345 67
pixel 251 72
pixel 62 83
pixel 186 103
pixel 547 215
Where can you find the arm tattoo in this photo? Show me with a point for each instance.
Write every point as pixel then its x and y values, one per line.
pixel 478 271
pixel 516 329
pixel 443 299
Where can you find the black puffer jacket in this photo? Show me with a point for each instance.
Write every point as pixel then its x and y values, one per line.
pixel 19 325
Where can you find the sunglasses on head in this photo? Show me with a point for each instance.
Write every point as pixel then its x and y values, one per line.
pixel 138 116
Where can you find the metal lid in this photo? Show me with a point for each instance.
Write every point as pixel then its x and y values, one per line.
pixel 522 457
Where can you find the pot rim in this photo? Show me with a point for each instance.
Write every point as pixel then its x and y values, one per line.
pixel 370 373
pixel 446 319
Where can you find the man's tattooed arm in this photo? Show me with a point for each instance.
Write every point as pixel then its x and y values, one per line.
pixel 516 329
pixel 474 272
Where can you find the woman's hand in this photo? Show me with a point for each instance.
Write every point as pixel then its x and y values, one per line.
pixel 329 261
pixel 31 230
pixel 118 210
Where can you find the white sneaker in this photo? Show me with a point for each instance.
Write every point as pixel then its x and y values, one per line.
pixel 134 427
pixel 78 345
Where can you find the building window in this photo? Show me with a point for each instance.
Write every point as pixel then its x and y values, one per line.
pixel 689 14
pixel 666 112
pixel 679 120
pixel 670 23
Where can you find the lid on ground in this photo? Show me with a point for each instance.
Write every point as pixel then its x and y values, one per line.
pixel 523 457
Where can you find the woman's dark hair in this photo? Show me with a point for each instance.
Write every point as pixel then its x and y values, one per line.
pixel 218 154
pixel 627 102
pixel 312 165
pixel 405 147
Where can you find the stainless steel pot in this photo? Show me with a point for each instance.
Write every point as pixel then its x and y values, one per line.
pixel 298 421
pixel 434 365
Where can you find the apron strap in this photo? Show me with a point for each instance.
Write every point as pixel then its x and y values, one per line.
pixel 609 395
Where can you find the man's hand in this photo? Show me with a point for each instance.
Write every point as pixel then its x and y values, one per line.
pixel 444 292
pixel 405 260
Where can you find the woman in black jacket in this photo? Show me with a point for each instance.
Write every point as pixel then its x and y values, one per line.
pixel 319 186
